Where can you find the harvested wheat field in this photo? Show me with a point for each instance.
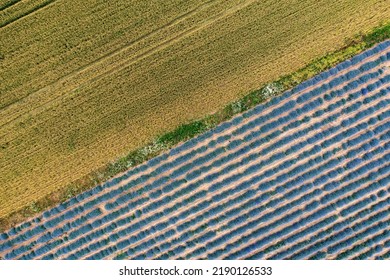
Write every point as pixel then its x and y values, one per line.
pixel 303 176
pixel 83 83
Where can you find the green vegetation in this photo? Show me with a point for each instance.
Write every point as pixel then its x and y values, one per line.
pixel 183 132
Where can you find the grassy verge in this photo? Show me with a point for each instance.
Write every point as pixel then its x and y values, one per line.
pixel 184 132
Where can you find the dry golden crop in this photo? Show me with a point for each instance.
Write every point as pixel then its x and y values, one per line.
pixel 84 82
